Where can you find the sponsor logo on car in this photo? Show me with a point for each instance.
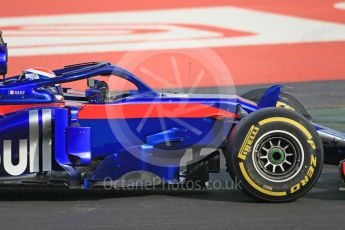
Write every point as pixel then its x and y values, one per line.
pixel 29 159
pixel 16 92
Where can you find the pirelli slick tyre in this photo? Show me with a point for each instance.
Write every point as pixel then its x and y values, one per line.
pixel 275 154
pixel 286 101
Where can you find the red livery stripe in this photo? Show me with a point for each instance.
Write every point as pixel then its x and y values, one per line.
pixel 5 109
pixel 152 110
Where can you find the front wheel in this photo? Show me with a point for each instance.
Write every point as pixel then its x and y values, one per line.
pixel 276 155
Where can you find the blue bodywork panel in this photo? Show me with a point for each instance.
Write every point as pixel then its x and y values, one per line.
pixel 79 145
pixel 3 56
pixel 42 137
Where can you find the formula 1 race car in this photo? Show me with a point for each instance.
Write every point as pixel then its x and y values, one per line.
pixel 54 136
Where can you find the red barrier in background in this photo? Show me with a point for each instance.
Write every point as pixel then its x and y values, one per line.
pixel 248 64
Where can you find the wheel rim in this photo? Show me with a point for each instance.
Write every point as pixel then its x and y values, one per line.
pixel 278 156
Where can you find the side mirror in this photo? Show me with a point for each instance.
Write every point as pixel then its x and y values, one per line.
pixel 91 83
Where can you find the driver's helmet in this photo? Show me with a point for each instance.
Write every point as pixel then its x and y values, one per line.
pixel 36 73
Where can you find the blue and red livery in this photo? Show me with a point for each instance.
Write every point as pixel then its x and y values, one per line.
pixel 51 136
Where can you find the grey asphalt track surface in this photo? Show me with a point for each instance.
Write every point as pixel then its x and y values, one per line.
pixel 323 207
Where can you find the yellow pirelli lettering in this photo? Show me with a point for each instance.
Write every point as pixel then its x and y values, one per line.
pixel 295 188
pixel 313 160
pixel 307 178
pixel 304 181
pixel 248 147
pixel 247 143
pixel 311 142
pixel 310 171
pixel 257 187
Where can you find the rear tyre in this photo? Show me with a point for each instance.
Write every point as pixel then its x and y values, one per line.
pixel 286 101
pixel 275 154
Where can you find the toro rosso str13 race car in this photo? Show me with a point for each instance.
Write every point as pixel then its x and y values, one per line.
pixel 54 136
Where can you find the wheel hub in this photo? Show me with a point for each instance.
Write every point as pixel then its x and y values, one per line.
pixel 276 155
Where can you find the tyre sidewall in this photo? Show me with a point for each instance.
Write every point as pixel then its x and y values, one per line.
pixel 247 134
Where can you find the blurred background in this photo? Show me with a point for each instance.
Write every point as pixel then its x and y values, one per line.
pixel 259 41
pixel 204 44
